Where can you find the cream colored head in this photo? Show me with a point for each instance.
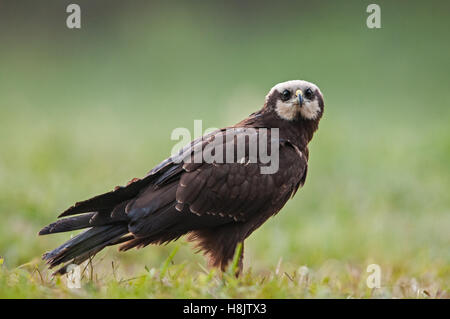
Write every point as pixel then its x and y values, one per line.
pixel 294 99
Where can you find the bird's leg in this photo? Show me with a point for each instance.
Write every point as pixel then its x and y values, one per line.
pixel 239 254
pixel 232 264
pixel 240 266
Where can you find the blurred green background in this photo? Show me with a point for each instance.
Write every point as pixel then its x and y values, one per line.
pixel 84 110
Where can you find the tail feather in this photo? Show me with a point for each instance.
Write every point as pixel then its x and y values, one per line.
pixel 117 216
pixel 109 223
pixel 85 245
pixel 110 199
pixel 68 224
pixel 77 261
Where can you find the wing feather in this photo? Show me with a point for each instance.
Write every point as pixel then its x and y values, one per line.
pixel 239 190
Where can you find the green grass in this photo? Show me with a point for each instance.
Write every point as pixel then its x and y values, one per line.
pixel 82 112
pixel 333 279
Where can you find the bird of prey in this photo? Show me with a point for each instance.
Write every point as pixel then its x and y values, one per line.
pixel 218 204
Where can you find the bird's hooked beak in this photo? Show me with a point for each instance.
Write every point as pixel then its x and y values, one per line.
pixel 299 95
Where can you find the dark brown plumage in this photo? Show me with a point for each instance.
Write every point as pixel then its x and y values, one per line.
pixel 218 205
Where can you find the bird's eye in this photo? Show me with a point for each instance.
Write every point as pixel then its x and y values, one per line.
pixel 309 94
pixel 286 95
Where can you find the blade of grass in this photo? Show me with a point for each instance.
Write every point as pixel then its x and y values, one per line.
pixel 166 263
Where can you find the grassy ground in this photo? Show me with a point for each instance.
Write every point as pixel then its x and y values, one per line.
pixel 81 112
